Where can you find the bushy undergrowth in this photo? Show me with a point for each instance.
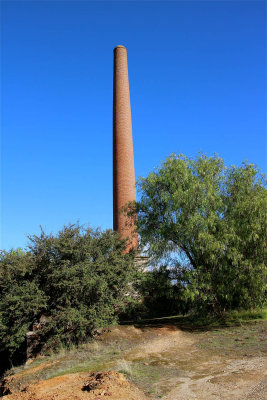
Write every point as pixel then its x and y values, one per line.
pixel 161 296
pixel 79 279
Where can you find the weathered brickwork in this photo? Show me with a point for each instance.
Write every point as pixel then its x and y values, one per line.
pixel 123 157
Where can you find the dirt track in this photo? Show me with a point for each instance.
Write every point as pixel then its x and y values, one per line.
pixel 167 363
pixel 203 374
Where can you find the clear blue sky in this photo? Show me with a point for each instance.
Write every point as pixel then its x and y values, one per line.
pixel 197 81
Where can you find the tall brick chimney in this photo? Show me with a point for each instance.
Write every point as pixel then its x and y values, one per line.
pixel 123 158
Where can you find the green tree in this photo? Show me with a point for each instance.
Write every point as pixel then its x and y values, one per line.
pixel 208 223
pixel 80 279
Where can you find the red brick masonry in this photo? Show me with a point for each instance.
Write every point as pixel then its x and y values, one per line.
pixel 123 158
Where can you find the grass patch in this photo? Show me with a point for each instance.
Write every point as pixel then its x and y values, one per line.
pixel 246 339
pixel 146 375
pixel 244 316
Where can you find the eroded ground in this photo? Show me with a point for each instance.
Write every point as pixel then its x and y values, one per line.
pixel 160 361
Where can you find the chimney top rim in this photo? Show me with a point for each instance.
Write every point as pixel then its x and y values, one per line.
pixel 119 46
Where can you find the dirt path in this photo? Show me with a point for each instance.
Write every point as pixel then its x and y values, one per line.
pixel 160 362
pixel 194 373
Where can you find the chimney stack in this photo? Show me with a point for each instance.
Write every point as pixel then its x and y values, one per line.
pixel 123 158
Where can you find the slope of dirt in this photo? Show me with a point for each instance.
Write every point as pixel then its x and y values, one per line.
pixel 94 386
pixel 160 362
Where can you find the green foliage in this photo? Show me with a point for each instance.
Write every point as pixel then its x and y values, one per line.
pixel 160 296
pixel 80 279
pixel 209 223
pixel 21 298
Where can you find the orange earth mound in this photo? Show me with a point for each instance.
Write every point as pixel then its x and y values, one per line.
pixel 94 386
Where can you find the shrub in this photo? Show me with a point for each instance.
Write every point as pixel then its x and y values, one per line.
pixel 78 278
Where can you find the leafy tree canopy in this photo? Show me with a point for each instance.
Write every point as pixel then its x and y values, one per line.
pixel 208 222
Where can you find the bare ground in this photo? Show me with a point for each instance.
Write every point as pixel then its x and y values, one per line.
pixel 202 374
pixel 81 386
pixel 163 362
